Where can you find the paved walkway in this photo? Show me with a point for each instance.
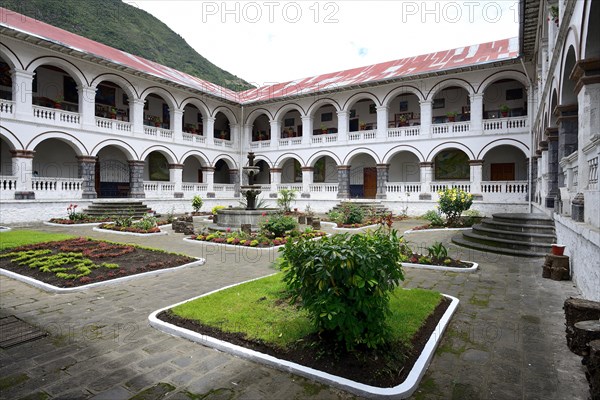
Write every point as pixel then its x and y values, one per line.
pixel 506 340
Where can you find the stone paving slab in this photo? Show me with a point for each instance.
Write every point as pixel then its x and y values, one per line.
pixel 505 341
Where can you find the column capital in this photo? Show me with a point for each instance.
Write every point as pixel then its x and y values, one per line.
pixel 138 101
pixel 87 159
pixel 382 108
pixel 425 102
pixel 476 95
pixel 426 164
pixel 585 72
pixel 382 166
pixel 276 170
pixel 210 119
pixel 233 171
pixel 208 169
pixel 344 167
pixel 342 113
pixel 19 73
pixel 476 163
pixel 306 118
pixel 552 131
pixel 136 163
pixel 175 166
pixel 22 153
pixel 307 169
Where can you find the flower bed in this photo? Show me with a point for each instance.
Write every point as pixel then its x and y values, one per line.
pixel 82 221
pixel 255 239
pixel 130 230
pixel 82 261
pixel 420 259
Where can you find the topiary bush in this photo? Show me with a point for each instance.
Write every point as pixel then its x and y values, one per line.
pixel 344 282
pixel 197 203
pixel 434 218
pixel 453 202
pixel 277 225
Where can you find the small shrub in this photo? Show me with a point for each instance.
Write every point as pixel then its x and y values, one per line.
pixel 353 214
pixel 75 215
pixel 344 283
pixel 285 199
pixel 197 203
pixel 125 221
pixel 146 223
pixel 453 202
pixel 216 208
pixel 434 218
pixel 437 250
pixel 277 225
pixel 336 216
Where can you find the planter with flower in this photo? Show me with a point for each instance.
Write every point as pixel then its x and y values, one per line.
pixel 352 216
pixel 75 217
pixel 504 110
pixel 452 211
pixel 451 116
pixel 146 225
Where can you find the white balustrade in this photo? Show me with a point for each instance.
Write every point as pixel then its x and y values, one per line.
pixel 7 107
pixel 194 187
pixel 325 139
pixel 286 142
pixel 55 115
pixel 113 125
pixel 593 174
pixel 403 187
pixel 8 187
pixel 223 143
pixel 362 135
pixel 52 188
pixel 156 189
pixel 224 187
pixel 290 186
pixel 505 191
pixel 511 124
pixel 439 186
pixel 189 137
pixel 405 131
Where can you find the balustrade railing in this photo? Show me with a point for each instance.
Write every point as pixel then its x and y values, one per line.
pixel 194 187
pixel 113 125
pixel 48 115
pixel 7 107
pixel 405 131
pixel 324 139
pixel 504 124
pixel 224 187
pixel 439 186
pixel 290 142
pixel 403 187
pixel 290 186
pixel 45 188
pixel 189 137
pixel 362 135
pixel 593 174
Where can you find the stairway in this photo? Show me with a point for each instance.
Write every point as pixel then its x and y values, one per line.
pixel 522 235
pixel 115 209
pixel 366 205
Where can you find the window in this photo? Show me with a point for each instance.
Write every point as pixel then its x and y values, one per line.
pixel 288 122
pixel 452 164
pixel 326 117
pixel 514 94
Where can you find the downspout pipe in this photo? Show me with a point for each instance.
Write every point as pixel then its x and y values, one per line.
pixel 529 177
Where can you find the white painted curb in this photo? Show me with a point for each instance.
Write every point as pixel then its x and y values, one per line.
pixel 131 233
pixel 234 246
pixel 73 225
pixel 446 269
pixel 404 390
pixel 54 289
pixel 335 228
pixel 435 230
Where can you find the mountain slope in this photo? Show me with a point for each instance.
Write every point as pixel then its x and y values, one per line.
pixel 126 28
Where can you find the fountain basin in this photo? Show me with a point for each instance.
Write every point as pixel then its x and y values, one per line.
pixel 234 217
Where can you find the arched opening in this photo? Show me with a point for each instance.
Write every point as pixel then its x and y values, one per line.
pixel 592 42
pixel 451 104
pixel 363 176
pixel 53 87
pixel 362 115
pixel 5 81
pixel 222 129
pixel 222 174
pixel 404 167
pixel 291 171
pixel 264 175
pixel 567 94
pixel 156 112
pixel 325 170
pixel 261 128
pixel 112 173
pixel 192 170
pixel 326 120
pixel 156 167
pixel 505 163
pixel 292 125
pixel 6 168
pixel 553 104
pixel 404 110
pixel 451 165
pixel 505 98
pixel 112 102
pixel 192 120
pixel 54 158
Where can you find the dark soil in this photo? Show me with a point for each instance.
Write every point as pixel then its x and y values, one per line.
pixel 131 229
pixel 131 260
pixel 66 221
pixel 386 367
pixel 414 259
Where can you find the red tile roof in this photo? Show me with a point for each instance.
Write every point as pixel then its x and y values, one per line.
pixel 479 54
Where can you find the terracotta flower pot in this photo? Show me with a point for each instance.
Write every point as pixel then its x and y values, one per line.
pixel 558 249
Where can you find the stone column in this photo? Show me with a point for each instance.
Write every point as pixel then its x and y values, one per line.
pixel 382 180
pixel 176 177
pixel 476 171
pixel 307 180
pixel 22 168
pixel 477 112
pixel 208 173
pixel 22 94
pixel 426 116
pixel 235 134
pixel 342 126
pixel 567 135
pixel 87 171
pixel 382 122
pixel 552 195
pixel 177 124
pixel 136 179
pixel 307 128
pixel 343 181
pixel 137 115
pixel 275 179
pixel 209 130
pixel 426 178
pixel 245 139
pixel 275 132
pixel 534 176
pixel 234 177
pixel 87 106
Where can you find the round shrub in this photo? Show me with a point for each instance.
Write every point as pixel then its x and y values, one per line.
pixel 344 283
pixel 277 225
pixel 453 202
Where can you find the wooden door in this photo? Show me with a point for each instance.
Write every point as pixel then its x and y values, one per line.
pixel 370 182
pixel 502 172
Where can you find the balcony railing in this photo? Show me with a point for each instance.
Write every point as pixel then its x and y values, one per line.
pixel 450 127
pixel 439 186
pixel 188 137
pixel 113 125
pixel 325 139
pixel 55 115
pixel 8 187
pixel 297 141
pixel 593 174
pixel 403 187
pixel 53 188
pixel 405 131
pixel 7 107
pixel 194 187
pixel 224 187
pixel 501 191
pixel 261 144
pixel 158 132
pixel 362 135
pixel 510 125
pixel 223 143
pixel 290 186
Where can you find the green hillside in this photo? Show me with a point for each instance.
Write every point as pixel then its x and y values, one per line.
pixel 127 28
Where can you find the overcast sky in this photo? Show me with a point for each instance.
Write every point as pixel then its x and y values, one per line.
pixel 276 41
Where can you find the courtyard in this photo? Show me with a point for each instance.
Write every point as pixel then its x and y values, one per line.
pixel 506 339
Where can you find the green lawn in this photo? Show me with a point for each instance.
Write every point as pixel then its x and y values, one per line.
pixel 261 311
pixel 16 238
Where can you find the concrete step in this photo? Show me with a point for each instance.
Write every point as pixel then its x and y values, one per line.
pixel 460 240
pixel 135 209
pixel 524 219
pixel 498 243
pixel 517 227
pixel 530 237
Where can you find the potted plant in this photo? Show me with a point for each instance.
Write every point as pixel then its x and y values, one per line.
pixel 558 249
pixel 58 101
pixel 504 109
pixel 324 129
pixel 451 116
pixel 223 135
pixel 362 125
pixel 402 121
pixel 113 113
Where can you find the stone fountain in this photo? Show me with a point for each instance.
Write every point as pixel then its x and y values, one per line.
pixel 235 217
